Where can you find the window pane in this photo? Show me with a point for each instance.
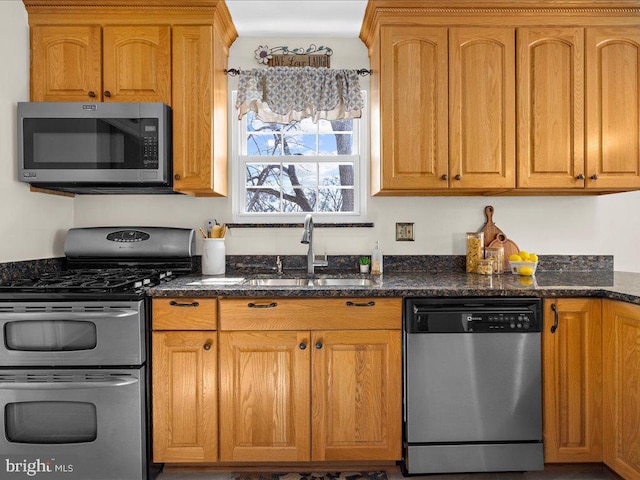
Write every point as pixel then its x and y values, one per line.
pixel 305 125
pixel 338 174
pixel 256 125
pixel 335 144
pixel 329 126
pixel 299 200
pixel 258 144
pixel 296 174
pixel 259 174
pixel 299 144
pixel 262 200
pixel 335 200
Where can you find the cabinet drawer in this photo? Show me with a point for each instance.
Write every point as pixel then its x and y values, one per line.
pixel 310 314
pixel 185 314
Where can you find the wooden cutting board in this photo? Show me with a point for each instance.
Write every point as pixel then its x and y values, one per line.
pixel 490 229
pixel 509 246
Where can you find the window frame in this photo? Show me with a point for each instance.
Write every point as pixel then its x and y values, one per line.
pixel 237 173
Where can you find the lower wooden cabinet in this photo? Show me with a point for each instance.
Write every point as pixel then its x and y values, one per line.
pixel 572 380
pixel 184 380
pixel 318 392
pixel 621 354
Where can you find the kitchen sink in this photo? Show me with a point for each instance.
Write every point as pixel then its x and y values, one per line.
pixel 312 282
pixel 279 282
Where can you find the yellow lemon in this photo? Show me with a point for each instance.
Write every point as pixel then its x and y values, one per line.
pixel 533 257
pixel 526 271
pixel 524 255
pixel 515 258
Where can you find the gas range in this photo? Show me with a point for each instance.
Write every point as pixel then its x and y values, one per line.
pixel 115 263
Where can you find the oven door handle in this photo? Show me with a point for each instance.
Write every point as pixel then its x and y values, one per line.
pixel 8 316
pixel 113 382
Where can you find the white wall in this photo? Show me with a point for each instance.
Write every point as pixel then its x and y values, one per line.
pixel 32 225
pixel 35 223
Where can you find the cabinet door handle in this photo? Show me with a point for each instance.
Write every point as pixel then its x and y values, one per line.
pixel 207 346
pixel 173 303
pixel 554 327
pixel 302 346
pixel 444 177
pixel 318 345
pixel 107 93
pixel 92 94
pixel 262 305
pixel 177 176
pixel 353 304
pixel 594 176
pixel 458 177
pixel 580 177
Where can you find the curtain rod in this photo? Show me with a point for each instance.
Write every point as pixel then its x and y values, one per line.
pixel 234 72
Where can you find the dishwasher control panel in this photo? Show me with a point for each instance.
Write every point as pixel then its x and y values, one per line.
pixel 446 316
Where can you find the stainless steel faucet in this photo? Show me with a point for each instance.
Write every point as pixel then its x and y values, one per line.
pixel 307 238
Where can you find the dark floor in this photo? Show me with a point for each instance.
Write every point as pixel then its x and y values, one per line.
pixel 552 473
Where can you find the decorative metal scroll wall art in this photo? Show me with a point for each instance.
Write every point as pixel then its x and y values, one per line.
pixel 283 56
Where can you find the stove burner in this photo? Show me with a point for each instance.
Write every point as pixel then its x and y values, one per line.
pixel 94 280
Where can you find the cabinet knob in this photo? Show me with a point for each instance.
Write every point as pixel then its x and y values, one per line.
pixel 580 177
pixel 207 346
pixel 458 177
pixel 594 176
pixel 318 345
pixel 92 94
pixel 177 176
pixel 302 346
pixel 107 93
pixel 444 177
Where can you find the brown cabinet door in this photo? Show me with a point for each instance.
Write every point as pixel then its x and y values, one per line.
pixel 137 63
pixel 482 107
pixel 199 111
pixel 572 380
pixel 185 426
pixel 621 352
pixel 265 400
pixel 551 108
pixel 66 63
pixel 613 107
pixel 357 395
pixel 413 111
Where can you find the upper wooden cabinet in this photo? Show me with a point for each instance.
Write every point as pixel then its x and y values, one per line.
pixel 93 64
pixel 474 137
pixel 482 108
pixel 551 107
pixel 613 108
pixel 173 52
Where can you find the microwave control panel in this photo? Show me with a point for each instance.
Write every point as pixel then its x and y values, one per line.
pixel 150 144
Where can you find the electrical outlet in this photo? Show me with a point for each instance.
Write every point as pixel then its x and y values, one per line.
pixel 404 232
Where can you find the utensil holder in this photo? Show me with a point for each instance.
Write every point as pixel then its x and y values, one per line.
pixel 213 256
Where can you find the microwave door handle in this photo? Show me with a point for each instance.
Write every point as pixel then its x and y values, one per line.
pixel 113 382
pixel 8 316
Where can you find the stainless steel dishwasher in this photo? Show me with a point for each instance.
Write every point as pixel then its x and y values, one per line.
pixel 472 385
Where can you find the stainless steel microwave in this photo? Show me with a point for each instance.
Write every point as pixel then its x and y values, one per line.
pixel 95 147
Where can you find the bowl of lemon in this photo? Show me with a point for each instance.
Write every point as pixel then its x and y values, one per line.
pixel 523 263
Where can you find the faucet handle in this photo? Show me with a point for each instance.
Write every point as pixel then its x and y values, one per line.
pixel 279 264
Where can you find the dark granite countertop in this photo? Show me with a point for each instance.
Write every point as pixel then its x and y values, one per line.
pixel 607 284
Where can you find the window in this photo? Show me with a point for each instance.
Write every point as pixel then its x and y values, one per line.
pixel 283 172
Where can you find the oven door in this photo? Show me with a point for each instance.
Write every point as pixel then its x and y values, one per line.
pixel 72 333
pixel 72 424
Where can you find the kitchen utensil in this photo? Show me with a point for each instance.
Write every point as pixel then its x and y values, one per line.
pixel 509 246
pixel 489 229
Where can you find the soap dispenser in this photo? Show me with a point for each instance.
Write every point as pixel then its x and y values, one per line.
pixel 376 260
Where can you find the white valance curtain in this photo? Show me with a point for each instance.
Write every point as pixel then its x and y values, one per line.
pixel 288 94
